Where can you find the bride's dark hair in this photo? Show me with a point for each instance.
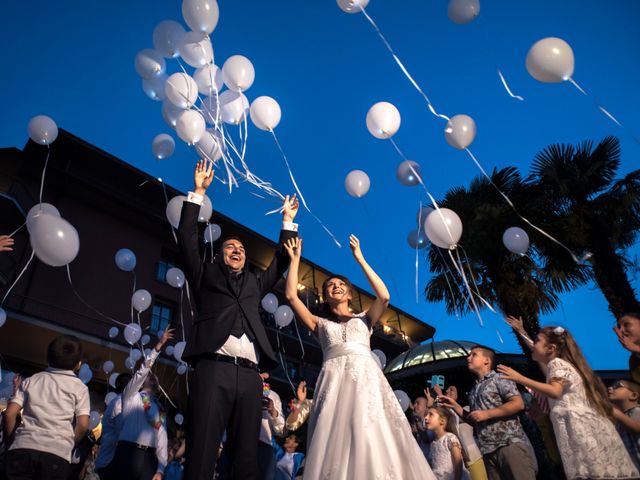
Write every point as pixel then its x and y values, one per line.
pixel 325 309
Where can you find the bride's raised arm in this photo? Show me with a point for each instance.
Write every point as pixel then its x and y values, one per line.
pixel 380 290
pixel 294 249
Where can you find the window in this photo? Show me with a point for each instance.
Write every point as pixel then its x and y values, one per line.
pixel 161 316
pixel 161 271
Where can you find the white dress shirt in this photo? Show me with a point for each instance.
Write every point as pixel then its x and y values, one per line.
pixel 239 347
pixel 135 424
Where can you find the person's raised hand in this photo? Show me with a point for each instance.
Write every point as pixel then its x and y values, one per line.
pixel 290 206
pixel 293 246
pixel 302 391
pixel 167 335
pixel 354 244
pixel 626 341
pixel 516 323
pixel 509 373
pixel 203 176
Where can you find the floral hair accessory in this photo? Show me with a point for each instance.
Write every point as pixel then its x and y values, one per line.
pixel 559 330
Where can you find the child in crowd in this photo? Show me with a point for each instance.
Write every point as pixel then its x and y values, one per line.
pixel 581 414
pixel 628 331
pixel 52 402
pixel 416 416
pixel 288 460
pixel 445 452
pixel 624 395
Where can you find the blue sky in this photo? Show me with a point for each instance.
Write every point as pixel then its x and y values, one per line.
pixel 74 62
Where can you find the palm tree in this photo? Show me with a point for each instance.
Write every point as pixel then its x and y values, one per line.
pixel 513 283
pixel 590 212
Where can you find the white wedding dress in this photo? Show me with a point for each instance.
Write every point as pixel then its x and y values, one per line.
pixel 357 430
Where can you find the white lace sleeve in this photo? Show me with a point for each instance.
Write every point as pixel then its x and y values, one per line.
pixel 559 370
pixel 452 441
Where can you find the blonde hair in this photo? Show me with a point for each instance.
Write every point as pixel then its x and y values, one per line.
pixel 567 349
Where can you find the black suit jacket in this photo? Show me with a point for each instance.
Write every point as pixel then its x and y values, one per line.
pixel 217 303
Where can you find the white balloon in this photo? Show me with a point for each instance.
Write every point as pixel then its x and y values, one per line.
pixel 270 303
pixel 460 131
pixel 516 240
pixel 169 350
pixel 357 183
pixel 209 79
pixel 112 379
pixel 234 107
pixel 175 277
pixel 283 315
pixel 550 60
pixel 206 210
pixel 208 147
pixel 181 90
pixel 3 316
pixel 196 49
pixel 210 109
pixel 147 352
pixel 129 363
pixel 383 120
pixel 182 369
pixel 141 300
pixel 352 6
pixel 132 333
pixel 178 350
pixel 179 418
pixel 170 113
pixel 167 37
pixel 201 15
pixel 408 173
pixel 109 397
pixel 265 113
pixel 42 129
pixel 403 398
pixel 85 374
pixel 463 11
pixel 417 240
pixel 212 233
pixel 376 359
pixel 38 209
pixel 149 63
pixel 174 210
pixel 443 228
pixel 238 73
pixel 155 87
pixel 145 339
pixel 125 260
pixel 381 356
pixel 54 240
pixel 107 367
pixel 163 146
pixel 113 332
pixel 94 419
pixel 190 126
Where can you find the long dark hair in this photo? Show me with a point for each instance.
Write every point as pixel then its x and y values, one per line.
pixel 569 350
pixel 325 308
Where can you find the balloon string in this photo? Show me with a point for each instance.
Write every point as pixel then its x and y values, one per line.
pixel 18 229
pixel 304 202
pixel 513 207
pixel 44 172
pixel 506 87
pixel 602 109
pixel 402 67
pixel 446 273
pixel 475 289
pixel 460 270
pixel 283 362
pixel 17 279
pixel 181 312
pixel 166 202
pixel 133 292
pixel 499 336
pixel 86 304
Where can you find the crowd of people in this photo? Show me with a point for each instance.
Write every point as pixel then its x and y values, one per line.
pixel 563 424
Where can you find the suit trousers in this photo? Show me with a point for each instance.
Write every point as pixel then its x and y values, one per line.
pixel 223 397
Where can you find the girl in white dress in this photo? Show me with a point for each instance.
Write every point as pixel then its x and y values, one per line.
pixel 581 414
pixel 357 430
pixel 445 452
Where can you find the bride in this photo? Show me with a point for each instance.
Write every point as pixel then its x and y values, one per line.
pixel 357 429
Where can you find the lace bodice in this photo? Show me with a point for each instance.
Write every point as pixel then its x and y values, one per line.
pixel 355 329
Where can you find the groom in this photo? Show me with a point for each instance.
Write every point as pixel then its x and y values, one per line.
pixel 227 341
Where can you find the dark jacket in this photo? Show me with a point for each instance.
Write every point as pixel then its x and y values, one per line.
pixel 217 304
